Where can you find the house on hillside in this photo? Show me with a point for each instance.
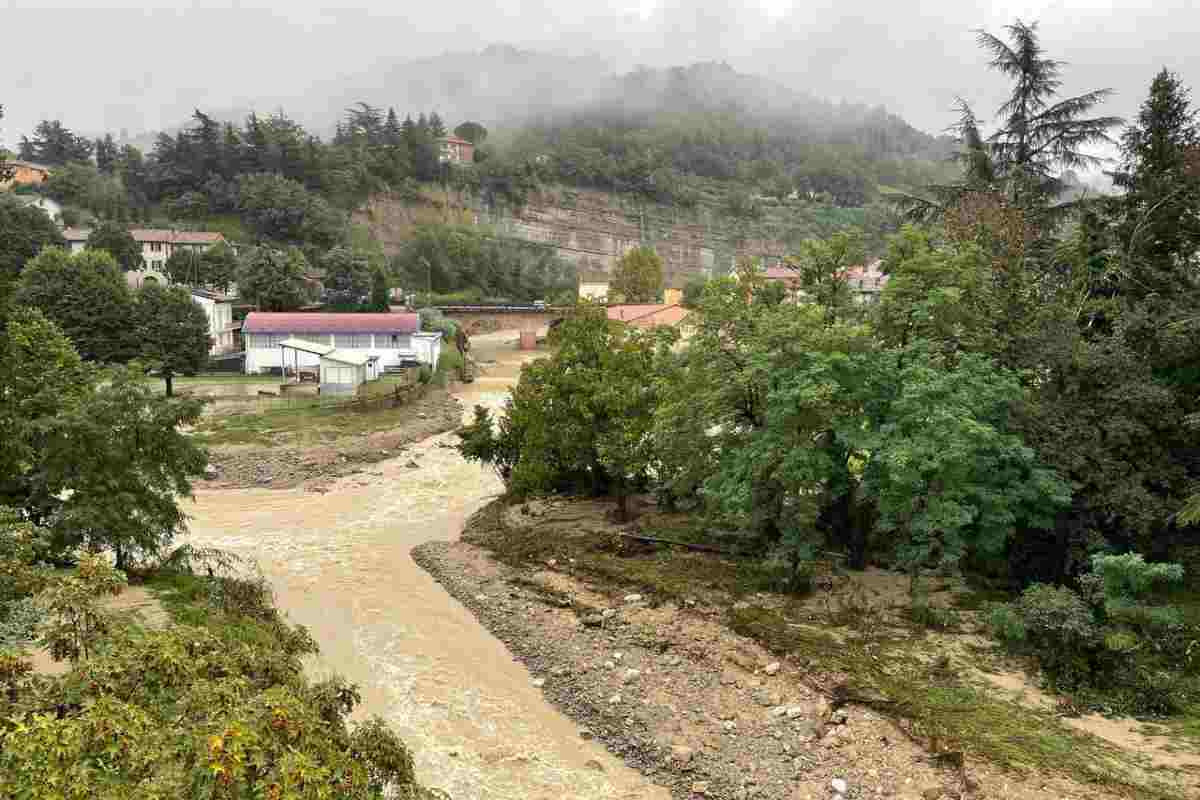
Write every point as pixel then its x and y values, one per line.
pixel 866 281
pixel 456 151
pixel 222 330
pixel 25 173
pixel 396 339
pixel 158 245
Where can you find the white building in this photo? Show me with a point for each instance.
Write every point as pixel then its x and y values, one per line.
pixel 343 371
pixel 396 339
pixel 157 246
pixel 221 328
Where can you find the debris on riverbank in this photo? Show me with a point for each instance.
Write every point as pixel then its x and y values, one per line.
pixel 666 683
pixel 283 465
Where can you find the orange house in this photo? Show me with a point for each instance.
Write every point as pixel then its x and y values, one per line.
pixel 457 151
pixel 26 173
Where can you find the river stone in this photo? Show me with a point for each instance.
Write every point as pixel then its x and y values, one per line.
pixel 633 598
pixel 772 668
pixel 839 786
pixel 682 755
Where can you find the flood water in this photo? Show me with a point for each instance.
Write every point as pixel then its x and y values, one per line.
pixel 340 565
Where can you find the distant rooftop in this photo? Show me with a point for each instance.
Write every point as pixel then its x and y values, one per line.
pixel 153 235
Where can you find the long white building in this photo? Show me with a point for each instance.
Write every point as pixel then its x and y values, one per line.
pixel 396 339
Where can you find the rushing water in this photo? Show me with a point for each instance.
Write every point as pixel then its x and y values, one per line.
pixel 340 564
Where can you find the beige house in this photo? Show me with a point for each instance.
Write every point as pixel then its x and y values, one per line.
pixel 157 246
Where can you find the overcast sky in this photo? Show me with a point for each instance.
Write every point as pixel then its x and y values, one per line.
pixel 113 64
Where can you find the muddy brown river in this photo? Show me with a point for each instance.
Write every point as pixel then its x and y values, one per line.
pixel 340 565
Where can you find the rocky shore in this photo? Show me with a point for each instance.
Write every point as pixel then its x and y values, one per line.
pixel 694 707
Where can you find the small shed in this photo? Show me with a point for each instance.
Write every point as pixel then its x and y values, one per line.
pixel 343 371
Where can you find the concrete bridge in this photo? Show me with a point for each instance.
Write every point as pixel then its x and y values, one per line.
pixel 489 319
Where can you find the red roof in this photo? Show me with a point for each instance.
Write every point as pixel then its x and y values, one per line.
pixel 649 315
pixel 456 140
pixel 780 274
pixel 308 322
pixel 152 235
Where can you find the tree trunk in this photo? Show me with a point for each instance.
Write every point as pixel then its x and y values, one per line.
pixel 170 389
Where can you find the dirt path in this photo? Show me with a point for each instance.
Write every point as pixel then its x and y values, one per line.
pixel 340 564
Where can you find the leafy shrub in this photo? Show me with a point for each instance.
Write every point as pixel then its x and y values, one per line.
pixel 1104 643
pixel 1006 623
pixel 931 616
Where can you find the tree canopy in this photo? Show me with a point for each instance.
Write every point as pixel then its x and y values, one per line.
pixel 86 295
pixel 274 279
pixel 637 277
pixel 24 232
pixel 114 239
pixel 172 331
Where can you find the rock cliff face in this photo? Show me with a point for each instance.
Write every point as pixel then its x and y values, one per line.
pixel 591 229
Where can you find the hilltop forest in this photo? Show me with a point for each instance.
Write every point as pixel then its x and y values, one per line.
pixel 698 139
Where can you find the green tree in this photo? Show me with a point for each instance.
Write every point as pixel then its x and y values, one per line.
pixel 173 331
pixel 282 210
pixel 1159 213
pixel 948 473
pixel 114 239
pixel 638 276
pixel 693 291
pixel 823 267
pixel 24 232
pixel 92 454
pixel 473 132
pixel 219 266
pixel 580 420
pixel 86 295
pixel 106 154
pixel 55 144
pixel 1040 133
pixel 381 290
pixel 186 267
pixel 347 276
pixel 274 279
pixel 6 172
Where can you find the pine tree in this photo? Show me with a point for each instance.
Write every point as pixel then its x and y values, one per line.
pixel 437 128
pixel 1159 232
pixel 1040 133
pixel 106 154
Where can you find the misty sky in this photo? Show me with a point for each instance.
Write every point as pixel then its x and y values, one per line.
pixel 113 64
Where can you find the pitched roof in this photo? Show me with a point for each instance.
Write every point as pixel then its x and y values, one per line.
pixel 16 162
pixel 456 140
pixel 648 315
pixel 312 322
pixel 781 274
pixel 153 235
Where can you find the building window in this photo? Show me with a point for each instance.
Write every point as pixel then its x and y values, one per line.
pixel 358 341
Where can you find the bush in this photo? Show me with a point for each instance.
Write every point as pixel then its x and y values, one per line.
pixel 1104 643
